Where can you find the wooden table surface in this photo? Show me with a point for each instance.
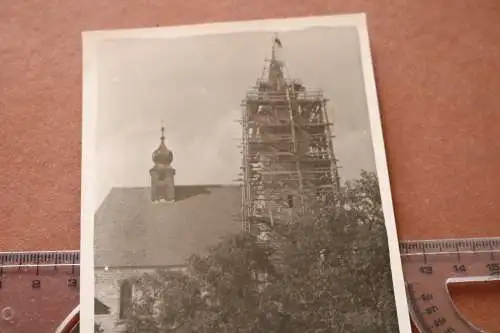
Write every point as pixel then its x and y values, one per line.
pixel 437 67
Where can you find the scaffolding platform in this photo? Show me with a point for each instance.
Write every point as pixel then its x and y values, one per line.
pixel 288 158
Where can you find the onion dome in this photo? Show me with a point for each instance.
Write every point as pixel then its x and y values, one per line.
pixel 162 155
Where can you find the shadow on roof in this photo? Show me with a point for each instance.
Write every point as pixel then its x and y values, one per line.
pixel 187 191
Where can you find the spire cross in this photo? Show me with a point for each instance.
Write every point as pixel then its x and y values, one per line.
pixel 162 132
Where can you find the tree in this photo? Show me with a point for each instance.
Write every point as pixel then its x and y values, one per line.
pixel 374 270
pixel 216 292
pixel 98 328
pixel 327 272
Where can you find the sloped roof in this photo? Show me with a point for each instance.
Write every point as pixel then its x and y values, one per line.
pixel 132 231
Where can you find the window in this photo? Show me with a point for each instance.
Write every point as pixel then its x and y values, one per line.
pixel 125 298
pixel 290 200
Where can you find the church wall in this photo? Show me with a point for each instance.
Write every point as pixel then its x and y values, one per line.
pixel 107 291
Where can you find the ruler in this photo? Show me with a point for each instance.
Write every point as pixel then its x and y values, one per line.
pixel 430 265
pixel 39 291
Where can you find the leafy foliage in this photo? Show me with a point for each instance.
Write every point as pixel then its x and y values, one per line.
pixel 98 328
pixel 327 273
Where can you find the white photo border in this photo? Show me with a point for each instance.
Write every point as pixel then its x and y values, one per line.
pixel 91 41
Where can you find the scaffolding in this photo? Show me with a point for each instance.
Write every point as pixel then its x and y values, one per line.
pixel 288 160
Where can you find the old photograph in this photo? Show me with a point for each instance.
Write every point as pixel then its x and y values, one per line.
pixel 235 180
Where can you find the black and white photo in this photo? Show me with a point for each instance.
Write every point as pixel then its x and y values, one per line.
pixel 235 180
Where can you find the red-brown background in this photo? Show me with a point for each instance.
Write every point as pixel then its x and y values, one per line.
pixel 437 67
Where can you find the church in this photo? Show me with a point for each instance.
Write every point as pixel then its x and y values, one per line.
pixel 141 229
pixel 288 166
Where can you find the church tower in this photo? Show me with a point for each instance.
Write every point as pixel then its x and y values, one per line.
pixel 162 173
pixel 288 161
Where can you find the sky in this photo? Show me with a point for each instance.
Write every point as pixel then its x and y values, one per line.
pixel 195 85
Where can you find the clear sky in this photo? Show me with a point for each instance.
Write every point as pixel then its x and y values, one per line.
pixel 196 84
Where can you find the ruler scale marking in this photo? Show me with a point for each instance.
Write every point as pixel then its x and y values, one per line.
pixel 430 265
pixel 37 290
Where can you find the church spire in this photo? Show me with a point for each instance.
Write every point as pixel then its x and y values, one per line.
pixel 162 174
pixel 276 43
pixel 276 77
pixel 162 155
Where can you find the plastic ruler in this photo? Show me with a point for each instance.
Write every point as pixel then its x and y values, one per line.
pixel 39 292
pixel 430 265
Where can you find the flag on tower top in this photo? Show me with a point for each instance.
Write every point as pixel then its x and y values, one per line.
pixel 278 41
